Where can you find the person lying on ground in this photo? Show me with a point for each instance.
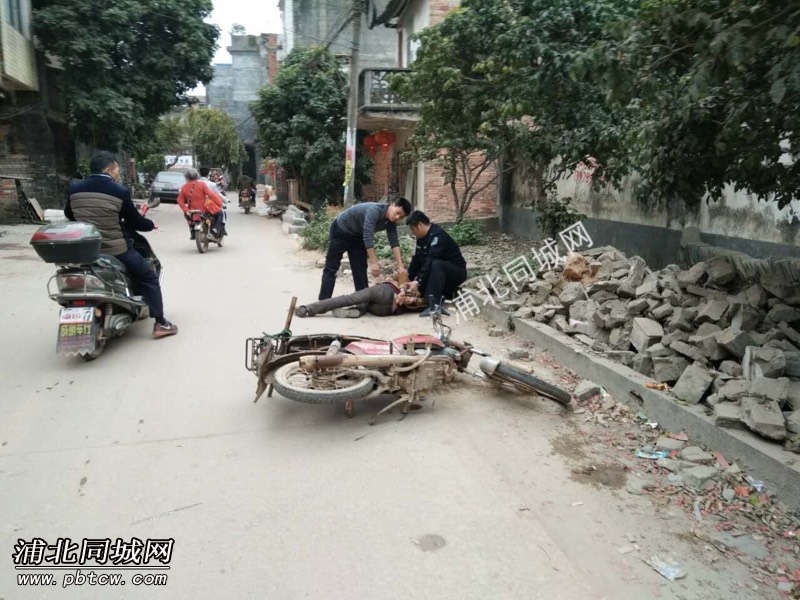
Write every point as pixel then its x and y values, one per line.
pixel 382 299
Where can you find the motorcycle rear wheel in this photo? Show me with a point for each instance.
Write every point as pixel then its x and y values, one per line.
pixel 293 383
pixel 528 383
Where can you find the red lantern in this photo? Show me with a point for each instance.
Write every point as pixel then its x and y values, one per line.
pixel 371 145
pixel 384 138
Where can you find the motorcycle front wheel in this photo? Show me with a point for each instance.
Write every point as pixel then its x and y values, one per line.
pixel 528 383
pixel 328 386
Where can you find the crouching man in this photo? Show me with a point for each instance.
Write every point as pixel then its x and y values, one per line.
pixel 438 268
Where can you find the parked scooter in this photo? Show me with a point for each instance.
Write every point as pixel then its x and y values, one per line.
pixel 98 297
pixel 247 199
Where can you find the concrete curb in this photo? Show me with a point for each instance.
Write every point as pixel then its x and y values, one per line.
pixel 780 470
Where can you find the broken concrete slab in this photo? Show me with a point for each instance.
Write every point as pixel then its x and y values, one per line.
pixel 698 291
pixel 667 443
pixel 763 362
pixel 735 341
pixel 648 288
pixel 573 292
pixel 793 421
pixel 586 390
pixel 728 414
pixel 709 347
pixel 770 389
pixel 603 296
pixel 734 389
pixel 732 368
pixel 676 466
pixel 645 333
pixel 689 351
pixel 712 311
pixel 643 364
pixel 755 296
pixel 720 271
pixel 693 276
pixel 699 478
pixel 695 454
pixel 693 384
pixel 790 332
pixel 784 313
pixel 675 336
pixel 626 290
pixel 621 356
pixel 764 417
pixel 668 369
pixel 637 306
pixel 636 272
pixel 746 318
pixel 741 543
pixel 660 350
pixel 523 313
pixel 663 311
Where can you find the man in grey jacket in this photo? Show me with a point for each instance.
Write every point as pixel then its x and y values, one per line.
pixel 353 231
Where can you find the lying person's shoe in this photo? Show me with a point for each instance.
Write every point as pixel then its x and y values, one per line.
pixel 346 313
pixel 164 329
pixel 303 312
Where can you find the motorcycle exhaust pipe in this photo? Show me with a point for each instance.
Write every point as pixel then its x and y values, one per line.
pixel 312 363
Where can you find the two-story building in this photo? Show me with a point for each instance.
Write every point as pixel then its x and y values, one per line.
pixel 36 147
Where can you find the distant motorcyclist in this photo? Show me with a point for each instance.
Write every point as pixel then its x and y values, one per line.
pixel 247 183
pixel 215 185
pixel 197 195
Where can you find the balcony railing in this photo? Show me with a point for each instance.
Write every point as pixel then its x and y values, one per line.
pixel 374 93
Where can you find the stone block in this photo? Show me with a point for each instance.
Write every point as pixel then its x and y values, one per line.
pixel 660 350
pixel 667 443
pixel 540 290
pixel 619 338
pixel 712 311
pixel 784 313
pixel 699 478
pixel 763 362
pixel 696 290
pixel 496 332
pixel 735 341
pixel 695 454
pixel 689 351
pixel 636 271
pixel 720 271
pixel 637 307
pixel 510 305
pixel 519 354
pixel 619 316
pixel 624 357
pixel 663 311
pixel 672 298
pixel 668 369
pixel 693 276
pixel 734 389
pixel 755 296
pixel 626 290
pixel 603 296
pixel 746 318
pixel 523 313
pixel 675 336
pixel 770 389
pixel 793 396
pixel 676 466
pixel 728 414
pixel 643 364
pixel 573 292
pixel 793 421
pixel 586 390
pixel 645 333
pixel 732 368
pixel 649 288
pixel 766 418
pixel 693 384
pixel 678 321
pixel 559 323
pixel 710 348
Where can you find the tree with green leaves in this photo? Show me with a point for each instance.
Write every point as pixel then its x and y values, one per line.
pixel 214 138
pixel 711 90
pixel 125 63
pixel 496 85
pixel 302 119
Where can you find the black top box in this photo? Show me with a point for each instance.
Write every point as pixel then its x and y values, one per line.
pixel 67 243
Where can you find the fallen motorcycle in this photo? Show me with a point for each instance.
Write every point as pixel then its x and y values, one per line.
pixel 329 368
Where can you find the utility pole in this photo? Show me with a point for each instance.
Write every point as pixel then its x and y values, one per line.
pixel 352 106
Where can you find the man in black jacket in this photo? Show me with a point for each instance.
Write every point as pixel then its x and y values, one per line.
pixel 438 267
pixel 104 203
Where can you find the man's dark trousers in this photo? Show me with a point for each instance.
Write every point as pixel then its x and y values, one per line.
pixel 377 300
pixel 339 243
pixel 146 280
pixel 443 280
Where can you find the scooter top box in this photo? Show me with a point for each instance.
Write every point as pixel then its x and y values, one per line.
pixel 67 243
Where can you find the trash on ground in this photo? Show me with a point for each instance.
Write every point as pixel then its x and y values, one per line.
pixel 757 484
pixel 652 455
pixel 668 567
pixel 652 385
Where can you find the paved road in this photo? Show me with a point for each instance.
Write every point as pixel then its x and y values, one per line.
pixel 159 439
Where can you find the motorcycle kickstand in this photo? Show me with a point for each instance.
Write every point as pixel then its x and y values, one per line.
pixel 402 399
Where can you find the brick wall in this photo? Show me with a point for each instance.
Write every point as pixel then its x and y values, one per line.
pixel 272 56
pixel 440 8
pixel 439 202
pixel 27 152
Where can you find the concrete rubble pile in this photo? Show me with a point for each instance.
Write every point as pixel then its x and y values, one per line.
pixel 713 337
